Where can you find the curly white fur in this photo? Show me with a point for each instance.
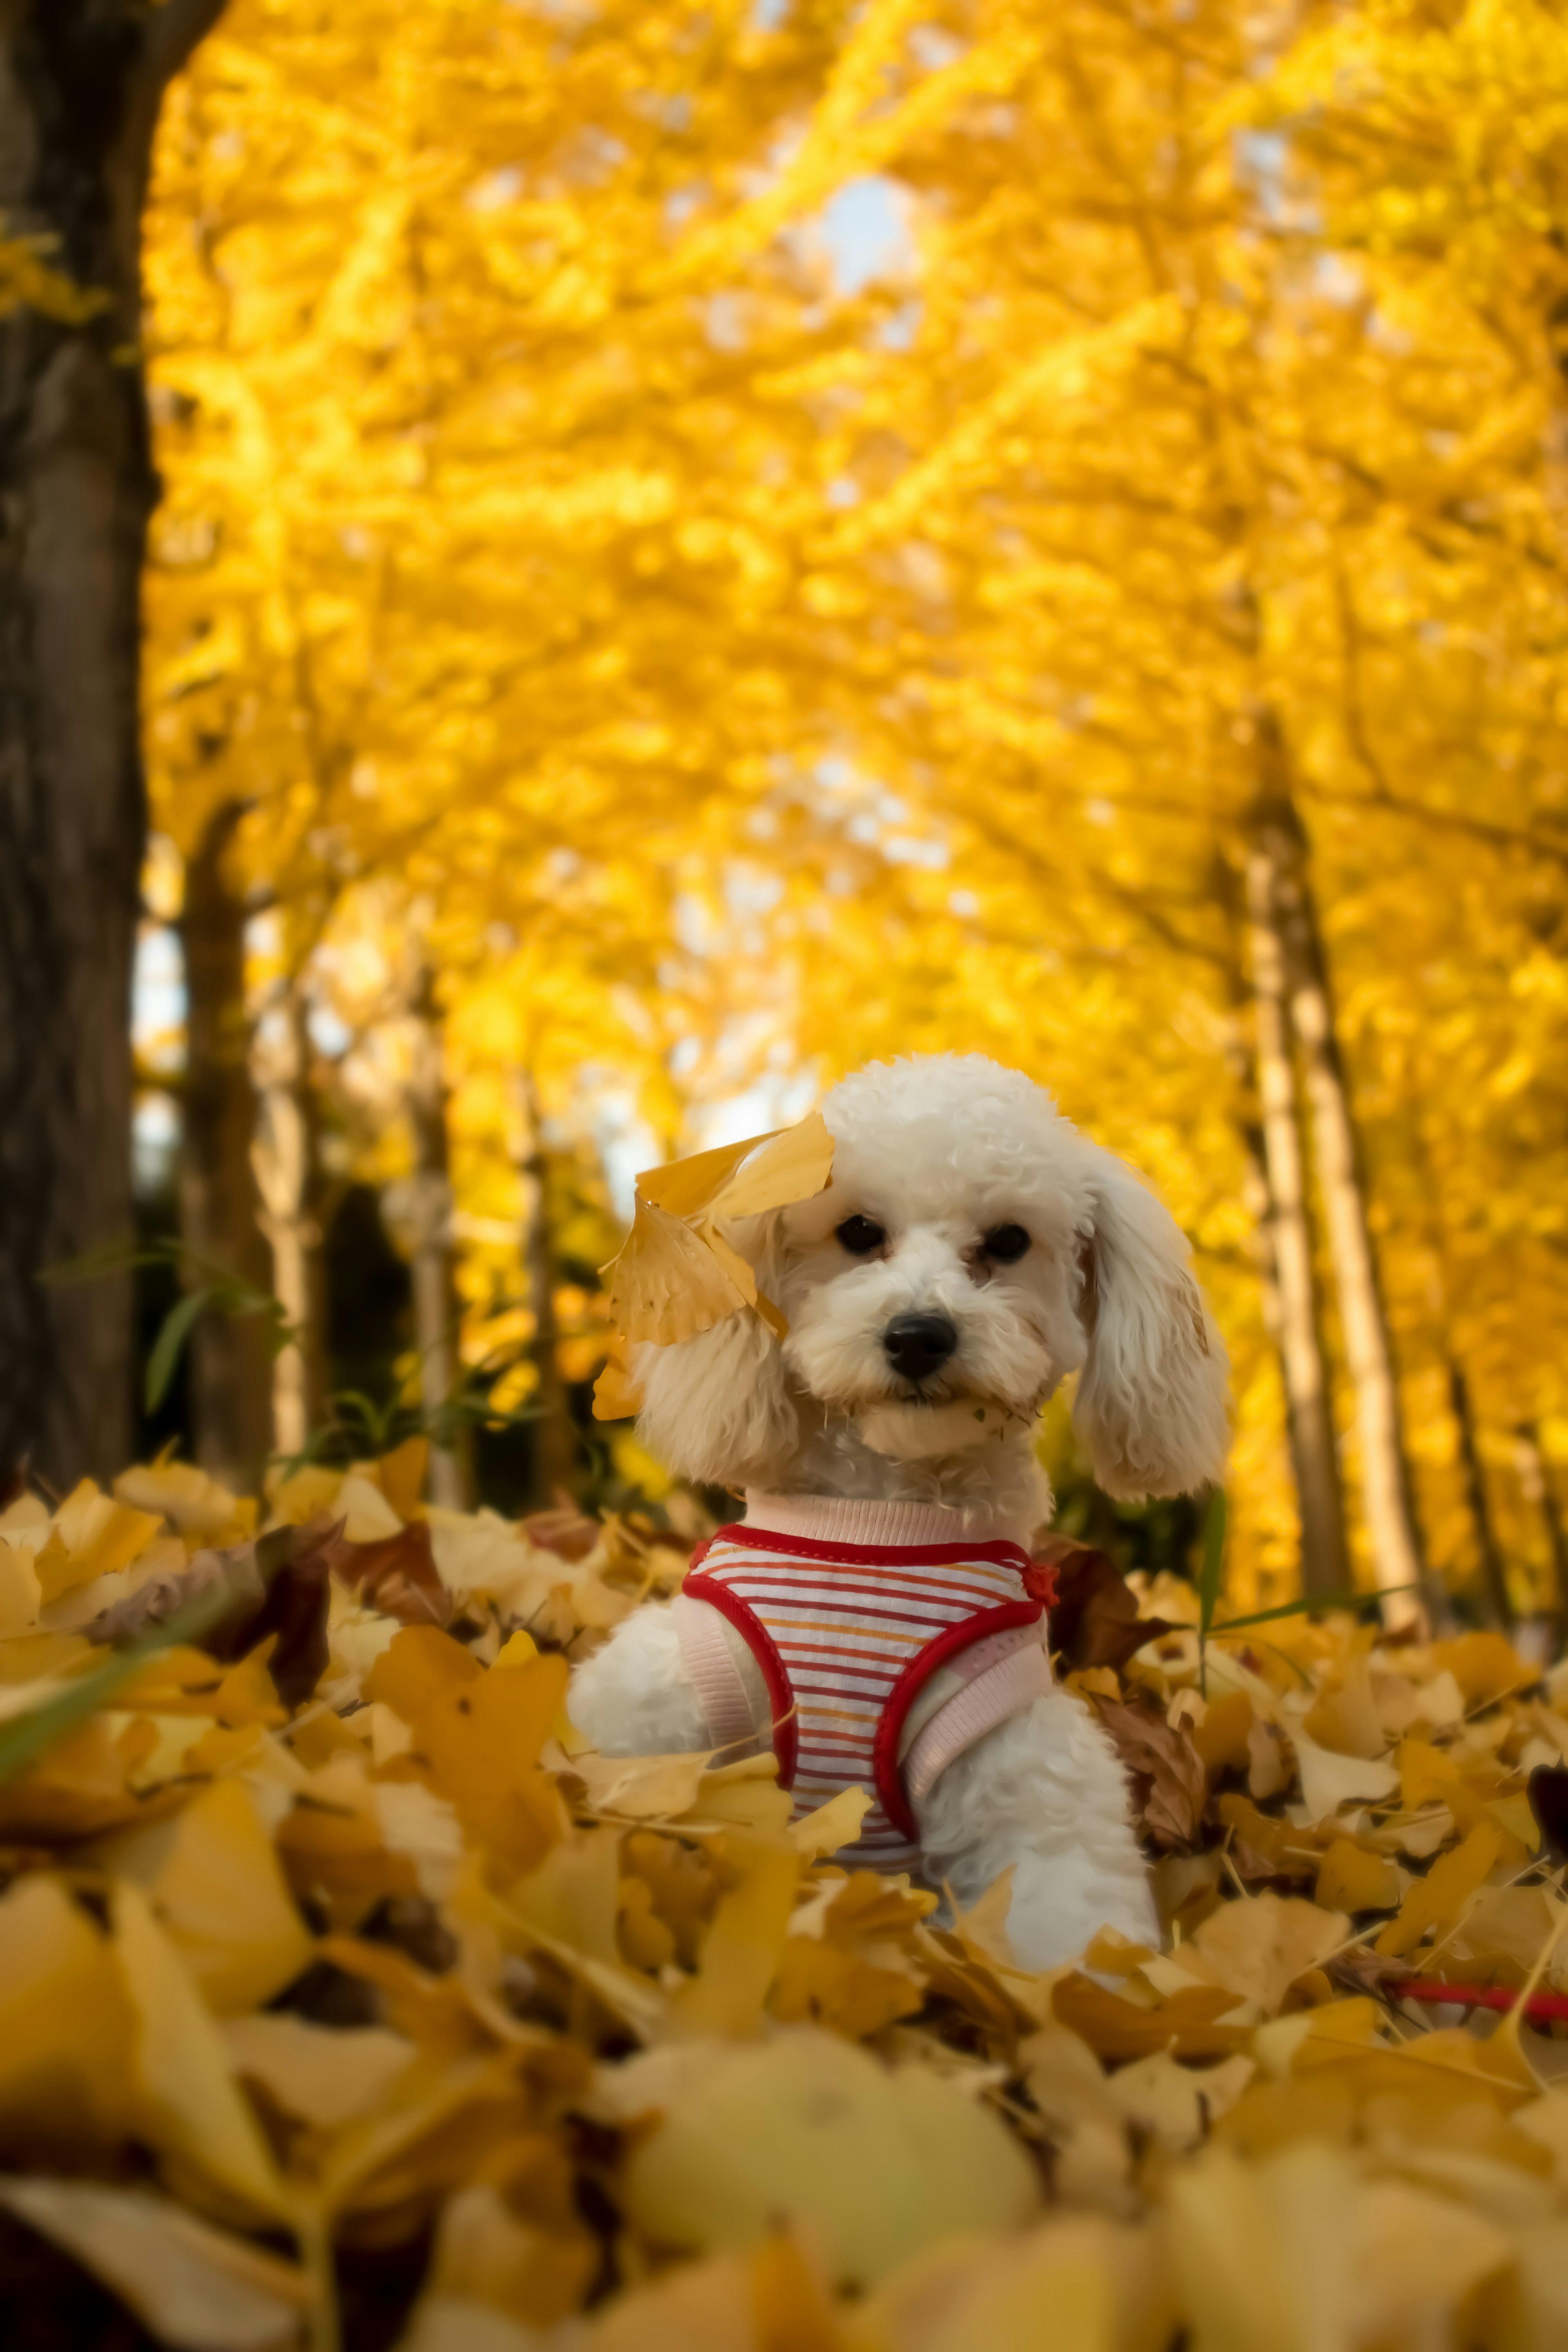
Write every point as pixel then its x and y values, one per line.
pixel 939 1150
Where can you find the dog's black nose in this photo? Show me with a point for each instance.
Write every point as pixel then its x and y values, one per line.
pixel 916 1344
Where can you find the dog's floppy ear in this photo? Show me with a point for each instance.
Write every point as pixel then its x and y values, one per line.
pixel 717 1408
pixel 1152 1399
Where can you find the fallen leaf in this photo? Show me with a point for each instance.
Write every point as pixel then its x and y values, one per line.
pixel 808 2129
pixel 193 2286
pixel 1437 1900
pixel 190 2104
pixel 326 2077
pixel 1169 1781
pixel 1094 1619
pixel 212 1875
pixel 1351 1880
pixel 395 1574
pixel 65 2025
pixel 1259 1949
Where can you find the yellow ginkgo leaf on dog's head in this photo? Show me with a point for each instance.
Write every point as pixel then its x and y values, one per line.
pixel 677 1274
pixel 794 1165
pixel 617 1393
pixel 667 1284
pixel 687 1187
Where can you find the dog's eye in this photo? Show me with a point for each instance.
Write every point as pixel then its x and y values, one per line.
pixel 1004 1244
pixel 860 1235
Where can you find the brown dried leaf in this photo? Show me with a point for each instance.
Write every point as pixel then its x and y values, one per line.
pixel 1170 1785
pixel 397 1576
pixel 1094 1619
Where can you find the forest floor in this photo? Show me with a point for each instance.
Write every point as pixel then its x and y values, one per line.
pixel 345 1999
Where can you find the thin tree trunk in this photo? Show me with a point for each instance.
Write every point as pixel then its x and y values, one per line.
pixel 1386 1501
pixel 435 1309
pixel 1493 1574
pixel 286 1161
pixel 220 1207
pixel 1314 1457
pixel 554 1438
pixel 80 85
pixel 1535 1479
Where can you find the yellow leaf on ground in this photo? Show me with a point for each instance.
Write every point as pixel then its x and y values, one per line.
pixel 1076 2281
pixel 741 1948
pixel 1258 1949
pixel 213 1879
pixel 191 2104
pixel 93 1534
pixel 326 2077
pixel 1437 1900
pixel 642 1788
pixel 477 1736
pixel 1484 1667
pixel 401 1474
pixel 1258 2250
pixel 192 2287
pixel 1351 1880
pixel 21 1595
pixel 65 2026
pixel 831 1826
pixel 1330 1780
pixel 198 1506
pixel 808 2129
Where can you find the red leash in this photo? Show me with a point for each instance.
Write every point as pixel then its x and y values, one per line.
pixel 1540 2009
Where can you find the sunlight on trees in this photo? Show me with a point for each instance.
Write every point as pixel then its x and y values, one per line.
pixel 607 654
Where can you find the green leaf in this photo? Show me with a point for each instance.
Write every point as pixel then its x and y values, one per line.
pixel 1313 1601
pixel 1209 1577
pixel 174 1330
pixel 98 1265
pixel 27 1737
pixel 1213 1568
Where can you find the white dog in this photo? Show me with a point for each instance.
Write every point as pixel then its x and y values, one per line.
pixel 971 1248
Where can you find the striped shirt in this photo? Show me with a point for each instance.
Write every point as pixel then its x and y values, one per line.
pixel 846 1635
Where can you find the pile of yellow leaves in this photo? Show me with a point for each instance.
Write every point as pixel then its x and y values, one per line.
pixel 346 1998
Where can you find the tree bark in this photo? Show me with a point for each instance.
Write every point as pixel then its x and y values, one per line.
pixel 80 85
pixel 1387 1500
pixel 287 1164
pixel 1286 1236
pixel 427 1215
pixel 1494 1575
pixel 220 1205
pixel 1535 1481
pixel 554 1438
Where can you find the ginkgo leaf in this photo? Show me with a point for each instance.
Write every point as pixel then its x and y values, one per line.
pixel 674 1278
pixel 881 2164
pixel 192 2287
pixel 191 2104
pixel 667 1284
pixel 794 1164
pixel 212 1877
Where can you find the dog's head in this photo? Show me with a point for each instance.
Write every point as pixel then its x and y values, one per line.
pixel 972 1249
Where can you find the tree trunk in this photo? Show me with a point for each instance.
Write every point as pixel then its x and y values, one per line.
pixel 1286 1236
pixel 1493 1574
pixel 220 1207
pixel 554 1438
pixel 286 1161
pixel 80 85
pixel 1535 1481
pixel 430 1222
pixel 1387 1500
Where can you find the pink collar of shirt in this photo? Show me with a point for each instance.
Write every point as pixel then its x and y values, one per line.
pixel 835 1518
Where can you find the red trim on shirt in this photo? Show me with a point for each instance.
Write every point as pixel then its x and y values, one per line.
pixel 759 1641
pixel 1001 1554
pixel 906 1689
